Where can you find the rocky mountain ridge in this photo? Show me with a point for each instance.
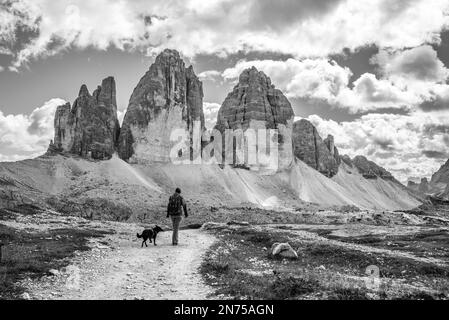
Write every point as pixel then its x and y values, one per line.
pixel 90 128
pixel 169 97
pixel 308 146
pixel 437 187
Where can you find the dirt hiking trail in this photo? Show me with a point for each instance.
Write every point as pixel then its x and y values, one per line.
pixel 117 268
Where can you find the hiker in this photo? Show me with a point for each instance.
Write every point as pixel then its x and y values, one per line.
pixel 175 206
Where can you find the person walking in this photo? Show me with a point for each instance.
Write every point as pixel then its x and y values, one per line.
pixel 176 204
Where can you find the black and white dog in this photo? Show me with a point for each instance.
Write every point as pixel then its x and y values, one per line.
pixel 150 234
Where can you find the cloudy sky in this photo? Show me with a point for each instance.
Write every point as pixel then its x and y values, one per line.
pixel 374 73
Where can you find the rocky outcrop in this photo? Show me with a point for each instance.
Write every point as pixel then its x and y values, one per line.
pixel 168 97
pixel 90 127
pixel 63 128
pixel 255 103
pixel 254 98
pixel 438 186
pixel 371 170
pixel 308 146
pixel 424 186
pixel 412 185
pixel 441 177
pixel 329 141
pixel 347 160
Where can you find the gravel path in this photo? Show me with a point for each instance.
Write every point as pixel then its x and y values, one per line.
pixel 124 270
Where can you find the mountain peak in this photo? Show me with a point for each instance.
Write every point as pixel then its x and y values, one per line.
pixel 83 91
pixel 90 128
pixel 168 97
pixel 167 55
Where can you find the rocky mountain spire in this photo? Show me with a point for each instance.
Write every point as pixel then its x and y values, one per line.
pixel 255 103
pixel 254 98
pixel 424 186
pixel 309 147
pixel 168 97
pixel 90 127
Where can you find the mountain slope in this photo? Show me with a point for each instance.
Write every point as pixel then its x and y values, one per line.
pixel 348 187
pixel 375 193
pixel 119 191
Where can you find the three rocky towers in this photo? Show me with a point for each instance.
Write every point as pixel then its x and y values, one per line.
pixel 170 96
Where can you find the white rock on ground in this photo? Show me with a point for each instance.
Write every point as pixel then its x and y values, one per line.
pixel 283 250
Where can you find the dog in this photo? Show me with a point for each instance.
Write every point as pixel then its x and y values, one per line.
pixel 149 234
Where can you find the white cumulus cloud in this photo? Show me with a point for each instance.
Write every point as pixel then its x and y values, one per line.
pixel 209 75
pixel 210 114
pixel 302 28
pixel 420 63
pixel 413 145
pixel 26 136
pixel 325 80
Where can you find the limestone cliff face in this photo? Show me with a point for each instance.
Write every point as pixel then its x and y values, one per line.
pixel 441 176
pixel 63 128
pixel 254 98
pixel 255 103
pixel 168 97
pixel 90 127
pixel 308 146
pixel 330 143
pixel 423 187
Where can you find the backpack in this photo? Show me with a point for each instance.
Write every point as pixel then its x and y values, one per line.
pixel 175 205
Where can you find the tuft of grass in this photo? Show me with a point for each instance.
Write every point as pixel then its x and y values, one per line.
pixel 32 255
pixel 348 294
pixel 288 287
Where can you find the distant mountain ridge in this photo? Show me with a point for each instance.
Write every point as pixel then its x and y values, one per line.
pixel 438 186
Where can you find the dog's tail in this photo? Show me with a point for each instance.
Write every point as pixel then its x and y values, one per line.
pixel 139 236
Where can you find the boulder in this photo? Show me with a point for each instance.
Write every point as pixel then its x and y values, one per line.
pixel 255 103
pixel 54 272
pixel 169 97
pixel 283 250
pixel 309 147
pixel 89 128
pixel 25 296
